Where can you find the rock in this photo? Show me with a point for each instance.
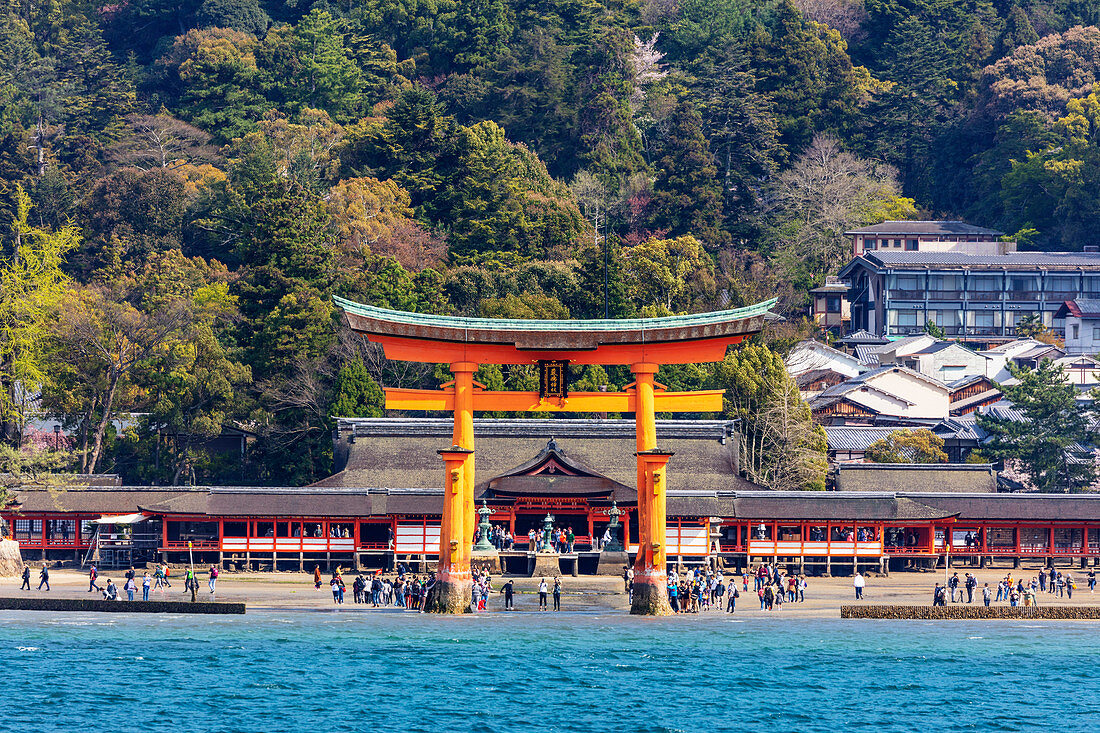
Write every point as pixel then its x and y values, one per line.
pixel 11 562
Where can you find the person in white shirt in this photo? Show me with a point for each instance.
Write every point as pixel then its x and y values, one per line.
pixel 859 582
pixel 542 595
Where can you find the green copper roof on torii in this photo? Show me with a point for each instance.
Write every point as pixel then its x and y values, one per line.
pixel 618 341
pixel 639 325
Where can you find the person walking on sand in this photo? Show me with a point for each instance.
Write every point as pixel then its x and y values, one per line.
pixel 542 595
pixel 337 589
pixel 213 577
pixel 146 583
pixel 159 580
pixel 986 594
pixel 858 583
pixel 557 594
pixel 26 578
pixel 44 575
pixel 508 589
pixel 129 586
pixel 317 577
pixel 93 573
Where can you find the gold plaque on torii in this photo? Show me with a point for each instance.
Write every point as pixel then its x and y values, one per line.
pixel 553 379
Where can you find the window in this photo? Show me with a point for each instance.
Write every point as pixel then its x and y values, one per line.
pixel 983 320
pixel 832 304
pixel 264 529
pixel 1061 284
pixel 1096 333
pixel 985 283
pixel 908 317
pixel 907 282
pixel 26 529
pixel 944 282
pixel 235 529
pixel 1023 283
pixel 911 245
pixel 1075 331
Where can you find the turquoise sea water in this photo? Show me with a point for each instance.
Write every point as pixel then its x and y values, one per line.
pixel 353 671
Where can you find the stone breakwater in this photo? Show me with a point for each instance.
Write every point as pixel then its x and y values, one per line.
pixel 971 613
pixel 87 604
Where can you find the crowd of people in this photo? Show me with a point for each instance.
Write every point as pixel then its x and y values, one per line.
pixel 131 582
pixel 712 590
pixel 409 591
pixel 1014 591
pixel 560 539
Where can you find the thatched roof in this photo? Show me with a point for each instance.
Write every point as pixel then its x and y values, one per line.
pixel 399 453
pixel 916 477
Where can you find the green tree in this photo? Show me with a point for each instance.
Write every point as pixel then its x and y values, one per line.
pixel 211 80
pixel 687 196
pixel 307 66
pixel 32 284
pixel 1030 326
pixel 668 275
pixel 193 385
pixel 908 445
pixel 1045 443
pixel 804 69
pixel 913 106
pixel 781 446
pixel 241 15
pixel 740 126
pixel 529 305
pixel 356 393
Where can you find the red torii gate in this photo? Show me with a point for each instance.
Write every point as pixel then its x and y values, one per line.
pixel 465 343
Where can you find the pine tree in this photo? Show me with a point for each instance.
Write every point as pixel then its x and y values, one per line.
pixel 1052 444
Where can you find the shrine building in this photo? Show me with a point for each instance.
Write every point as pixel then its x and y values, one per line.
pixel 386 497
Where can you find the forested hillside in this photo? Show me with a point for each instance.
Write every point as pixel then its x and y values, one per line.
pixel 186 183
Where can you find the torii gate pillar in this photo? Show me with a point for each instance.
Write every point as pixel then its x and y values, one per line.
pixel 650 575
pixel 452 589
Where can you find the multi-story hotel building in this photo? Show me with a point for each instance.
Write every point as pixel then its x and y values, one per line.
pixel 976 291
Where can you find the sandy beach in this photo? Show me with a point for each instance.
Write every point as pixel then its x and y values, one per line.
pixel 295 591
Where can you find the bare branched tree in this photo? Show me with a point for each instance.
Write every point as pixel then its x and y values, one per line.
pixel 162 141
